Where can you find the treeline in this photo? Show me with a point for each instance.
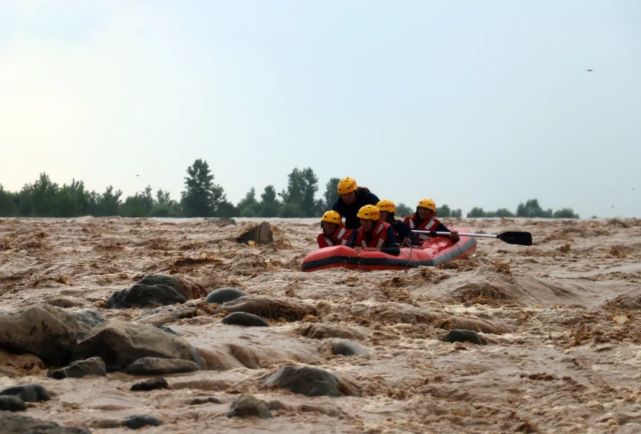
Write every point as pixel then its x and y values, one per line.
pixel 202 197
pixel 530 209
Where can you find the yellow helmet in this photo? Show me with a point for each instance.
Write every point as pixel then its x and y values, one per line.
pixel 331 217
pixel 427 203
pixel 368 212
pixel 386 205
pixel 347 185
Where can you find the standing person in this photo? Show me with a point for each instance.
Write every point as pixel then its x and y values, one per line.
pixel 388 211
pixel 373 232
pixel 424 219
pixel 351 199
pixel 334 233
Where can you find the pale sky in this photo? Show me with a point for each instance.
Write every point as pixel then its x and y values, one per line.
pixel 472 103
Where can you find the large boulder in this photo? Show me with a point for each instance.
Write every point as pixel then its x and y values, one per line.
pixel 44 330
pixel 310 382
pixel 27 392
pixel 121 343
pixel 80 368
pixel 260 234
pixel 156 290
pixel 247 406
pixel 270 308
pixel 223 295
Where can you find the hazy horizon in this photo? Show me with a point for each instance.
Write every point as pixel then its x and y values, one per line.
pixel 472 103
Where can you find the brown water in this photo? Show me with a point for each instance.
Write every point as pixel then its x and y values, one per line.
pixel 561 318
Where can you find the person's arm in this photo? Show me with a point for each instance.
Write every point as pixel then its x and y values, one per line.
pixel 391 245
pixel 352 240
pixel 453 234
pixel 320 239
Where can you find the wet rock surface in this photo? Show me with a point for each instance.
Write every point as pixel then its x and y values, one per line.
pixel 153 384
pixel 13 424
pixel 249 406
pixel 244 319
pixel 80 368
pixel 12 403
pixel 458 335
pixel 160 366
pixel 223 295
pixel 141 420
pixel 271 308
pixel 308 381
pixel 27 392
pixel 347 348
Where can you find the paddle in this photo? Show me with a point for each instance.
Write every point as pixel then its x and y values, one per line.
pixel 510 237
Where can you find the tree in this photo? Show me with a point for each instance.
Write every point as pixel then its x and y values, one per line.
pixel 443 211
pixel 269 204
pixel 164 206
pixel 331 193
pixel 108 203
pixel 531 208
pixel 403 210
pixel 138 205
pixel 8 206
pixel 476 212
pixel 298 199
pixel 565 213
pixel 503 212
pixel 202 197
pixel 248 206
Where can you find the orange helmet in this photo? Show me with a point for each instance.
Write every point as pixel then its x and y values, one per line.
pixel 386 205
pixel 369 212
pixel 347 185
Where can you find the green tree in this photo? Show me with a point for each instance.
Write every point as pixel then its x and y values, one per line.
pixel 138 205
pixel 443 211
pixel 504 212
pixel 299 198
pixel 164 205
pixel 72 200
pixel 8 206
pixel 476 212
pixel 202 198
pixel 269 204
pixel 331 193
pixel 248 206
pixel 108 203
pixel 531 208
pixel 403 210
pixel 565 213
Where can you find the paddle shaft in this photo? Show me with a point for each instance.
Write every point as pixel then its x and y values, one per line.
pixel 510 237
pixel 463 234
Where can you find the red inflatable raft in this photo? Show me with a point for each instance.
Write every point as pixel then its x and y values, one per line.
pixel 433 252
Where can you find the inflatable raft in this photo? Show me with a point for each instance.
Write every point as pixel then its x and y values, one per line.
pixel 433 252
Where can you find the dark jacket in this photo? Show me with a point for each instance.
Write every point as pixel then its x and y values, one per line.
pixel 363 197
pixel 402 231
pixel 390 246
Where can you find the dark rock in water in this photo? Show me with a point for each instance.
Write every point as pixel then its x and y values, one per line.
pixel 44 330
pixel 223 295
pixel 459 335
pixel 160 366
pixel 183 285
pixel 12 403
pixel 80 368
pixel 261 234
pixel 308 381
pixel 140 420
pixel 347 348
pixel 13 424
pixel 28 392
pixel 208 400
pixel 244 319
pixel 141 295
pixel 248 405
pixel 153 384
pixel 323 331
pixel 121 343
pixel 270 308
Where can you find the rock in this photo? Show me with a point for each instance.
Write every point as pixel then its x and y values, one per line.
pixel 248 405
pixel 187 287
pixel 323 331
pixel 347 348
pixel 309 381
pixel 630 300
pixel 44 330
pixel 90 318
pixel 12 403
pixel 246 356
pixel 261 234
pixel 269 308
pixel 476 324
pixel 244 319
pixel 141 295
pixel 223 295
pixel 80 368
pixel 28 392
pixel 218 360
pixel 19 365
pixel 121 343
pixel 13 423
pixel 464 336
pixel 140 420
pixel 208 400
pixel 153 384
pixel 160 366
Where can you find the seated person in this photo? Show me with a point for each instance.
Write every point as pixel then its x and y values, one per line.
pixel 388 211
pixel 373 234
pixel 351 199
pixel 334 234
pixel 424 219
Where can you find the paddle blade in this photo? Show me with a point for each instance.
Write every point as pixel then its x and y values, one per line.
pixel 521 238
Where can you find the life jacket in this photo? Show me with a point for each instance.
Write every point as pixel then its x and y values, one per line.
pixel 429 225
pixel 339 237
pixel 378 236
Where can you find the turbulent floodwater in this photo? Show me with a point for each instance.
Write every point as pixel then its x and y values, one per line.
pixel 561 319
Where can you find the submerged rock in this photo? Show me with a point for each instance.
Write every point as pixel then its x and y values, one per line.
pixel 140 420
pixel 459 335
pixel 13 424
pixel 141 295
pixel 160 366
pixel 248 405
pixel 223 295
pixel 323 331
pixel 309 381
pixel 270 308
pixel 27 392
pixel 153 384
pixel 80 368
pixel 12 403
pixel 244 319
pixel 121 343
pixel 347 348
pixel 261 234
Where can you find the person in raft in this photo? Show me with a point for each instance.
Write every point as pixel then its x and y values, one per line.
pixel 401 230
pixel 373 234
pixel 424 219
pixel 351 199
pixel 334 233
